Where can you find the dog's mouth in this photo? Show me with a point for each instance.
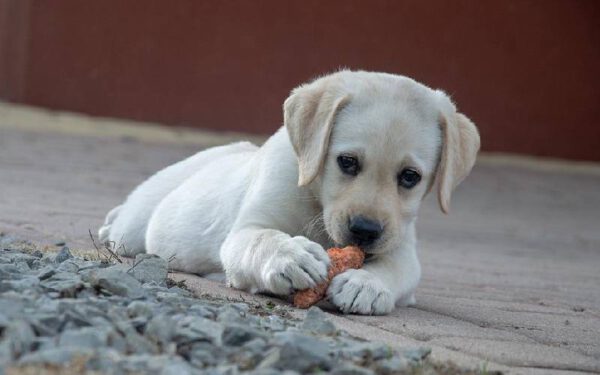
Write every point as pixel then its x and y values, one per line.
pixel 339 238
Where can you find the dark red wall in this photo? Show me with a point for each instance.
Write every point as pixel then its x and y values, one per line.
pixel 525 71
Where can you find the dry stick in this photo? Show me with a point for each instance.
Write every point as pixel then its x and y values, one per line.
pixel 112 253
pixel 134 265
pixel 106 247
pixel 94 242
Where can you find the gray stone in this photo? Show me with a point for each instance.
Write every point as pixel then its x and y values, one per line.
pixel 46 272
pixel 11 306
pixel 191 329
pixel 300 353
pixel 417 355
pixel 47 323
pixel 24 283
pixel 392 365
pixel 89 264
pixel 22 267
pixel 177 366
pixel 270 359
pixel 226 369
pixel 63 255
pixel 68 266
pixel 139 323
pixel 115 282
pixel 181 292
pixel 139 344
pixel 152 287
pixel 198 309
pixel 256 346
pixel 105 361
pixel 43 343
pixel 67 284
pixel 270 371
pixel 91 338
pixel 350 369
pixel 170 298
pixel 53 356
pixel 316 321
pixel 139 309
pixel 204 354
pixel 366 351
pixel 274 323
pixel 149 267
pixel 36 264
pixel 144 363
pixel 4 321
pixel 23 258
pixel 230 314
pixel 160 329
pixel 5 354
pixel 20 337
pixel 242 307
pixel 9 270
pixel 244 359
pixel 76 317
pixel 238 334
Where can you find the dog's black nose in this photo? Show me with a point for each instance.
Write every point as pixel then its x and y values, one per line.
pixel 364 231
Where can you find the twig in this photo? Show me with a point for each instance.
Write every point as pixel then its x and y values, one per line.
pixel 93 240
pixel 134 265
pixel 107 246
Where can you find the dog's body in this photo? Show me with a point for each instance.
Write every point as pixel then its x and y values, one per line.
pixel 342 170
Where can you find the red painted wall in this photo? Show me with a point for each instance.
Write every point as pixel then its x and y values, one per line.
pixel 525 71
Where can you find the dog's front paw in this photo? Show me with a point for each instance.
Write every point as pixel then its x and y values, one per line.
pixel 357 291
pixel 297 264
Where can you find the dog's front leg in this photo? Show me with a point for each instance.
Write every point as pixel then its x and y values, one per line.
pixel 268 260
pixel 385 281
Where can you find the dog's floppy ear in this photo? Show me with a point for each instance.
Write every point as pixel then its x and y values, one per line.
pixel 309 114
pixel 460 143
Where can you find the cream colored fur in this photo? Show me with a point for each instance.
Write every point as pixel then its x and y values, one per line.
pixel 264 216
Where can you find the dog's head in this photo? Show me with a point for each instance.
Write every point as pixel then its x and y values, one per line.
pixel 371 145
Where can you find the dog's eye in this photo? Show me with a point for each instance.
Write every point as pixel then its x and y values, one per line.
pixel 408 178
pixel 348 164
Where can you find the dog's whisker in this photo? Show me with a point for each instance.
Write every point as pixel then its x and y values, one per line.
pixel 315 227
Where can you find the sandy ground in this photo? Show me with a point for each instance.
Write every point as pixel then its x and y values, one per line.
pixel 511 278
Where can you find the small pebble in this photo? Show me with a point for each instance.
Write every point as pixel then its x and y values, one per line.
pixel 316 321
pixel 63 255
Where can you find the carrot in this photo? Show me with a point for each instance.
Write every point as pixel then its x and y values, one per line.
pixel 342 259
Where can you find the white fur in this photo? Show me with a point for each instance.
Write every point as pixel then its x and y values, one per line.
pixel 265 215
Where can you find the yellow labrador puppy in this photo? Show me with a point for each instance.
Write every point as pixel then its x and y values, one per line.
pixel 356 155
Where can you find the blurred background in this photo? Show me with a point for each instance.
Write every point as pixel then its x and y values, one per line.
pixel 526 72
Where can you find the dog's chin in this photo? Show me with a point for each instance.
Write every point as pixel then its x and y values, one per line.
pixel 375 248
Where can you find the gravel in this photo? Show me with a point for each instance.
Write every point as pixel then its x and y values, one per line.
pixel 94 316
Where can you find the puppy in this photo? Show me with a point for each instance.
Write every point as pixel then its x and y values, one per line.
pixel 356 155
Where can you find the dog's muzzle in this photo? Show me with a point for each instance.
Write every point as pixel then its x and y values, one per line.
pixel 364 231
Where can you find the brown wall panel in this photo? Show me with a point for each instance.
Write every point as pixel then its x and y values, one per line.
pixel 525 71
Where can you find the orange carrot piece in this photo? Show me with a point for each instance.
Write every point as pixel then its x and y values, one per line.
pixel 342 259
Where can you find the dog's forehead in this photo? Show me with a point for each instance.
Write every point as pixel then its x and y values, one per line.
pixel 391 125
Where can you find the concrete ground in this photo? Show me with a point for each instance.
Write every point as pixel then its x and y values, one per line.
pixel 511 278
